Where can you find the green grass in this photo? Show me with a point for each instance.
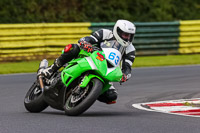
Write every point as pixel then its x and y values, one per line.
pixel 147 61
pixel 20 67
pixel 168 60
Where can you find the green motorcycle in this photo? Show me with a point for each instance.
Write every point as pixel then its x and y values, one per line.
pixel 79 84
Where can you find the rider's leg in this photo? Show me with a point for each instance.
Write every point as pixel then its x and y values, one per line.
pixel 109 96
pixel 71 51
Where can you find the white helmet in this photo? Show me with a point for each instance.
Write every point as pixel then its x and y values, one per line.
pixel 124 32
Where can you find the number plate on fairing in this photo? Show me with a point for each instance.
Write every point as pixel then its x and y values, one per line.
pixel 112 55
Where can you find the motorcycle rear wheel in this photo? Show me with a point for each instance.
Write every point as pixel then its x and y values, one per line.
pixel 77 104
pixel 34 101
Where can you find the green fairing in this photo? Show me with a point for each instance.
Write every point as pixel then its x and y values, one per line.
pixel 80 65
pixel 115 75
pixel 73 71
pixel 101 65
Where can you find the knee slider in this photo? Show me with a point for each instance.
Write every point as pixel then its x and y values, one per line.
pixel 67 48
pixel 72 49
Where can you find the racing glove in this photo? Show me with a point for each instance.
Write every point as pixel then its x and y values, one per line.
pixel 125 77
pixel 86 46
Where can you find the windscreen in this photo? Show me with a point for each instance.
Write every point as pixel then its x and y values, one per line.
pixel 113 44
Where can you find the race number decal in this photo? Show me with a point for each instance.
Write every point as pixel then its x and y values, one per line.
pixel 112 56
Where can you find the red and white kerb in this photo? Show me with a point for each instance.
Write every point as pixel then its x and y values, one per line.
pixel 186 107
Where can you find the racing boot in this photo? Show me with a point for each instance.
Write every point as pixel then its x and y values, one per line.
pixel 109 97
pixel 49 71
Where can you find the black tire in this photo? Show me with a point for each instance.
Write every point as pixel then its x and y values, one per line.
pixel 90 96
pixel 34 101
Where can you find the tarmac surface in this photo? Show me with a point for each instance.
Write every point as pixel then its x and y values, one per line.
pixel 146 85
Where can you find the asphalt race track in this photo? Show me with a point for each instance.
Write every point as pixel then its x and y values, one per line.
pixel 147 85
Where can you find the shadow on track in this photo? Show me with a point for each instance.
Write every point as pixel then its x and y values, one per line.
pixel 93 114
pixel 107 114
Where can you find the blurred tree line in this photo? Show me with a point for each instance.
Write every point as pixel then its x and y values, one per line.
pixel 37 11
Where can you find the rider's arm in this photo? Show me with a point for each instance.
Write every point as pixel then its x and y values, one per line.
pixel 128 59
pixel 97 37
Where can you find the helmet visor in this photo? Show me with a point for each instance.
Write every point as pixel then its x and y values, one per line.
pixel 128 37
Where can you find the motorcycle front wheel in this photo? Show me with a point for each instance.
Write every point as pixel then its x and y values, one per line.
pixel 34 101
pixel 78 101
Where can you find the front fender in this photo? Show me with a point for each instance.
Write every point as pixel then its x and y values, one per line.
pixel 87 79
pixel 71 72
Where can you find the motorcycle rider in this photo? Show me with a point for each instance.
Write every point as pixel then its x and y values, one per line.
pixel 123 32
